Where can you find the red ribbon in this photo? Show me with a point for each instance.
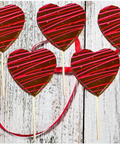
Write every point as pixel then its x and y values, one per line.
pixel 67 70
pixel 117 51
pixel 77 45
pixel 58 70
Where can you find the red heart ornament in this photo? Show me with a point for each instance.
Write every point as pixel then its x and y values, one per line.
pixel 11 23
pixel 95 70
pixel 32 70
pixel 109 24
pixel 61 25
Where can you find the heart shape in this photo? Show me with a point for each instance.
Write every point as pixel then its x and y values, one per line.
pixel 61 25
pixel 11 23
pixel 109 24
pixel 32 70
pixel 95 70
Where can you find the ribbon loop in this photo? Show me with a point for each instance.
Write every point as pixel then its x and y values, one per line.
pixel 58 70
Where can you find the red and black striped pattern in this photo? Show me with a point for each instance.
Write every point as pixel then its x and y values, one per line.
pixel 11 23
pixel 32 70
pixel 95 70
pixel 109 24
pixel 61 25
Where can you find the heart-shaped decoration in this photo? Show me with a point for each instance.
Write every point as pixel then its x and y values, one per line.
pixel 32 70
pixel 11 23
pixel 61 25
pixel 95 70
pixel 109 24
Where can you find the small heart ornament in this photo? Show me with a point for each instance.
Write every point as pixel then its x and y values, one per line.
pixel 32 70
pixel 61 25
pixel 11 23
pixel 109 24
pixel 95 70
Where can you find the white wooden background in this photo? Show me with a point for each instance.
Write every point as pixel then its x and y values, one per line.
pixel 16 108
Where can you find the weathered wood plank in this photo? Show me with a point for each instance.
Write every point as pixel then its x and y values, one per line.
pixel 16 109
pixel 109 109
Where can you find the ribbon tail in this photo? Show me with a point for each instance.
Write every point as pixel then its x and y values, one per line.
pixel 41 132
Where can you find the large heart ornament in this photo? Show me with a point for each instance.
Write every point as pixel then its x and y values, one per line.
pixel 109 24
pixel 95 70
pixel 61 25
pixel 11 23
pixel 32 70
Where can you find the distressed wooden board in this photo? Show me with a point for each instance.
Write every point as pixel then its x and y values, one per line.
pixel 16 108
pixel 109 109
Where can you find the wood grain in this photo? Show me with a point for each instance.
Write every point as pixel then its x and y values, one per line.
pixel 16 109
pixel 109 109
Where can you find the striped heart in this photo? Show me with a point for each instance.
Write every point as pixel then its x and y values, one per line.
pixel 61 25
pixel 95 70
pixel 32 70
pixel 11 23
pixel 109 24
